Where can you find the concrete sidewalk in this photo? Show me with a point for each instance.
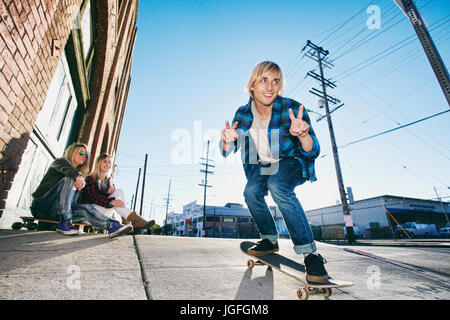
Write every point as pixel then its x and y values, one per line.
pixel 47 265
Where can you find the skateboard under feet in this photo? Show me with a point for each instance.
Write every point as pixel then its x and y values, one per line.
pixel 294 270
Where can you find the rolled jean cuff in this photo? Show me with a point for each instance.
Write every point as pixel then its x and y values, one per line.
pixel 305 248
pixel 271 237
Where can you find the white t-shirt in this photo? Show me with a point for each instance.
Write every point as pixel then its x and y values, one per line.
pixel 258 131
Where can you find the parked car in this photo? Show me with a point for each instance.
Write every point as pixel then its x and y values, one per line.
pixel 359 234
pixel 445 231
pixel 417 230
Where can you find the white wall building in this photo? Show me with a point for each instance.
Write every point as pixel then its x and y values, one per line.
pixel 377 217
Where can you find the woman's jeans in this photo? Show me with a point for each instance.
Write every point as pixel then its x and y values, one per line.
pixel 280 179
pixel 112 213
pixel 57 204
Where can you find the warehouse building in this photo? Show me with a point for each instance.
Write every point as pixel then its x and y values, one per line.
pixel 377 217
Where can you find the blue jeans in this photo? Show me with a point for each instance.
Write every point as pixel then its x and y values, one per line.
pixel 281 182
pixel 57 204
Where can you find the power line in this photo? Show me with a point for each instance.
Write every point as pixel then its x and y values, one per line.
pixel 375 94
pixel 344 33
pixel 401 61
pixel 129 156
pixel 362 42
pixel 396 160
pixel 345 22
pixel 398 148
pixel 411 39
pixel 293 68
pixel 390 105
pixel 412 91
pixel 394 129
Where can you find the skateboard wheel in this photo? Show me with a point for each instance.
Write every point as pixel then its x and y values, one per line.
pixel 327 292
pixel 17 225
pixel 250 264
pixel 31 226
pixel 303 293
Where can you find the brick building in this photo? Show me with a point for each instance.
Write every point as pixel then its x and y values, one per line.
pixel 64 77
pixel 229 221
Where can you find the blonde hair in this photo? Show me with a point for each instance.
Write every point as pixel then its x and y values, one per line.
pixel 96 172
pixel 260 70
pixel 70 153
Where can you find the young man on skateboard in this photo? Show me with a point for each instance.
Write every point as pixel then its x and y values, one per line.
pixel 278 149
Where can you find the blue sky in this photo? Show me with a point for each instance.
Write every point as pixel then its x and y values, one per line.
pixel 191 63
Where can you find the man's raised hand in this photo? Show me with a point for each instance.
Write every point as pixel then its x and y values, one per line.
pixel 299 128
pixel 229 134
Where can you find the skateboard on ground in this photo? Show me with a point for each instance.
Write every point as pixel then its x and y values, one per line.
pixel 294 270
pixel 29 223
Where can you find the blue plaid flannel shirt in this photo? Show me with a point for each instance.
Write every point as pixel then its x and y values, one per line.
pixel 282 143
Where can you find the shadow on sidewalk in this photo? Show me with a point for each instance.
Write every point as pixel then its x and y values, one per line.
pixel 23 249
pixel 259 288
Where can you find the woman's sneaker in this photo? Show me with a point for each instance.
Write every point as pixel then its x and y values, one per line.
pixel 66 228
pixel 263 247
pixel 315 270
pixel 116 229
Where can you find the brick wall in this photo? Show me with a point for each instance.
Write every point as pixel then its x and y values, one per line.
pixel 33 34
pixel 30 46
pixel 103 121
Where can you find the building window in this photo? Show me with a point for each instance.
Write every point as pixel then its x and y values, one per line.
pixel 86 31
pixel 212 219
pixel 227 219
pixel 55 119
pixel 80 51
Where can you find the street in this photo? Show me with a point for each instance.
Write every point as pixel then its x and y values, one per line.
pixel 46 265
pixel 434 260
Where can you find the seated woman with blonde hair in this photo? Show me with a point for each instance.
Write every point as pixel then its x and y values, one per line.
pixel 54 197
pixel 102 194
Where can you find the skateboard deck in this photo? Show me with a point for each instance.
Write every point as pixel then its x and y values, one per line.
pixel 294 270
pixel 28 222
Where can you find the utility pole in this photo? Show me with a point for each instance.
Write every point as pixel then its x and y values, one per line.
pixel 442 206
pixel 137 187
pixel 151 210
pixel 409 9
pixel 205 183
pixel 143 185
pixel 167 201
pixel 317 54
